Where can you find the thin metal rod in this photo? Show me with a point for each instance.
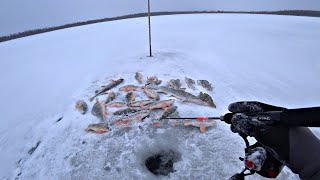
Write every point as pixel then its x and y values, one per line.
pixel 150 49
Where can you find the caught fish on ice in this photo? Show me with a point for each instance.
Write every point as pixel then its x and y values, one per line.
pixel 99 128
pixel 99 110
pixel 153 81
pixel 205 84
pixel 168 111
pixel 125 111
pixel 81 106
pixel 190 83
pixel 175 83
pixel 117 104
pixel 141 103
pixel 161 104
pixel 138 77
pixel 111 97
pixel 151 93
pixel 202 124
pixel 130 97
pixel 182 95
pixel 125 121
pixel 129 88
pixel 106 88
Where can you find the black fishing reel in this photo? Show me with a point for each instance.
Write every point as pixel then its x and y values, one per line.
pixel 258 160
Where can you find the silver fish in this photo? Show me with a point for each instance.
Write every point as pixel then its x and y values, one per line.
pixel 205 84
pixel 160 104
pixel 125 121
pixel 141 103
pixel 182 95
pixel 98 128
pixel 190 83
pixel 107 88
pixel 168 111
pixel 130 97
pixel 138 77
pixel 200 124
pixel 153 81
pixel 175 83
pixel 116 104
pixel 151 93
pixel 125 111
pixel 111 97
pixel 207 98
pixel 82 106
pixel 99 110
pixel 128 88
pixel 139 116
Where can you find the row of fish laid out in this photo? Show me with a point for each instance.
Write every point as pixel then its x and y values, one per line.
pixel 124 117
pixel 152 92
pixel 153 81
pixel 101 128
pixel 175 83
pixel 99 108
pixel 137 112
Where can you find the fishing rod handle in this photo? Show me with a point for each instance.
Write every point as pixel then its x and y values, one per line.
pixel 306 117
pixel 303 117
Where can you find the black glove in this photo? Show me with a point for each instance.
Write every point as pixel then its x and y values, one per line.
pixel 245 121
pixel 273 137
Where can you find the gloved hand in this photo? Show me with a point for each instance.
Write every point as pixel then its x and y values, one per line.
pixel 274 137
pixel 296 147
pixel 245 120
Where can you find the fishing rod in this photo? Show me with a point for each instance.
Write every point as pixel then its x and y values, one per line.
pixel 197 118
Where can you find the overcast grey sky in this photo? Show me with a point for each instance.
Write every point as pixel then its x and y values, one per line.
pixel 20 15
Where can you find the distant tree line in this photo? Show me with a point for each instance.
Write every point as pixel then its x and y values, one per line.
pixel 43 30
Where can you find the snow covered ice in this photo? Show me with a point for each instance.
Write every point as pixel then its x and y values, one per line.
pixel 273 59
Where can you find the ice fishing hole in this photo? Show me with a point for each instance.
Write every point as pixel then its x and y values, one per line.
pixel 162 162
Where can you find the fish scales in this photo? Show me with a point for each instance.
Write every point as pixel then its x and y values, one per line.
pixel 107 88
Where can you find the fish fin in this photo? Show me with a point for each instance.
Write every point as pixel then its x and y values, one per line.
pixel 213 105
pixel 157 124
pixel 101 132
pixel 202 128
